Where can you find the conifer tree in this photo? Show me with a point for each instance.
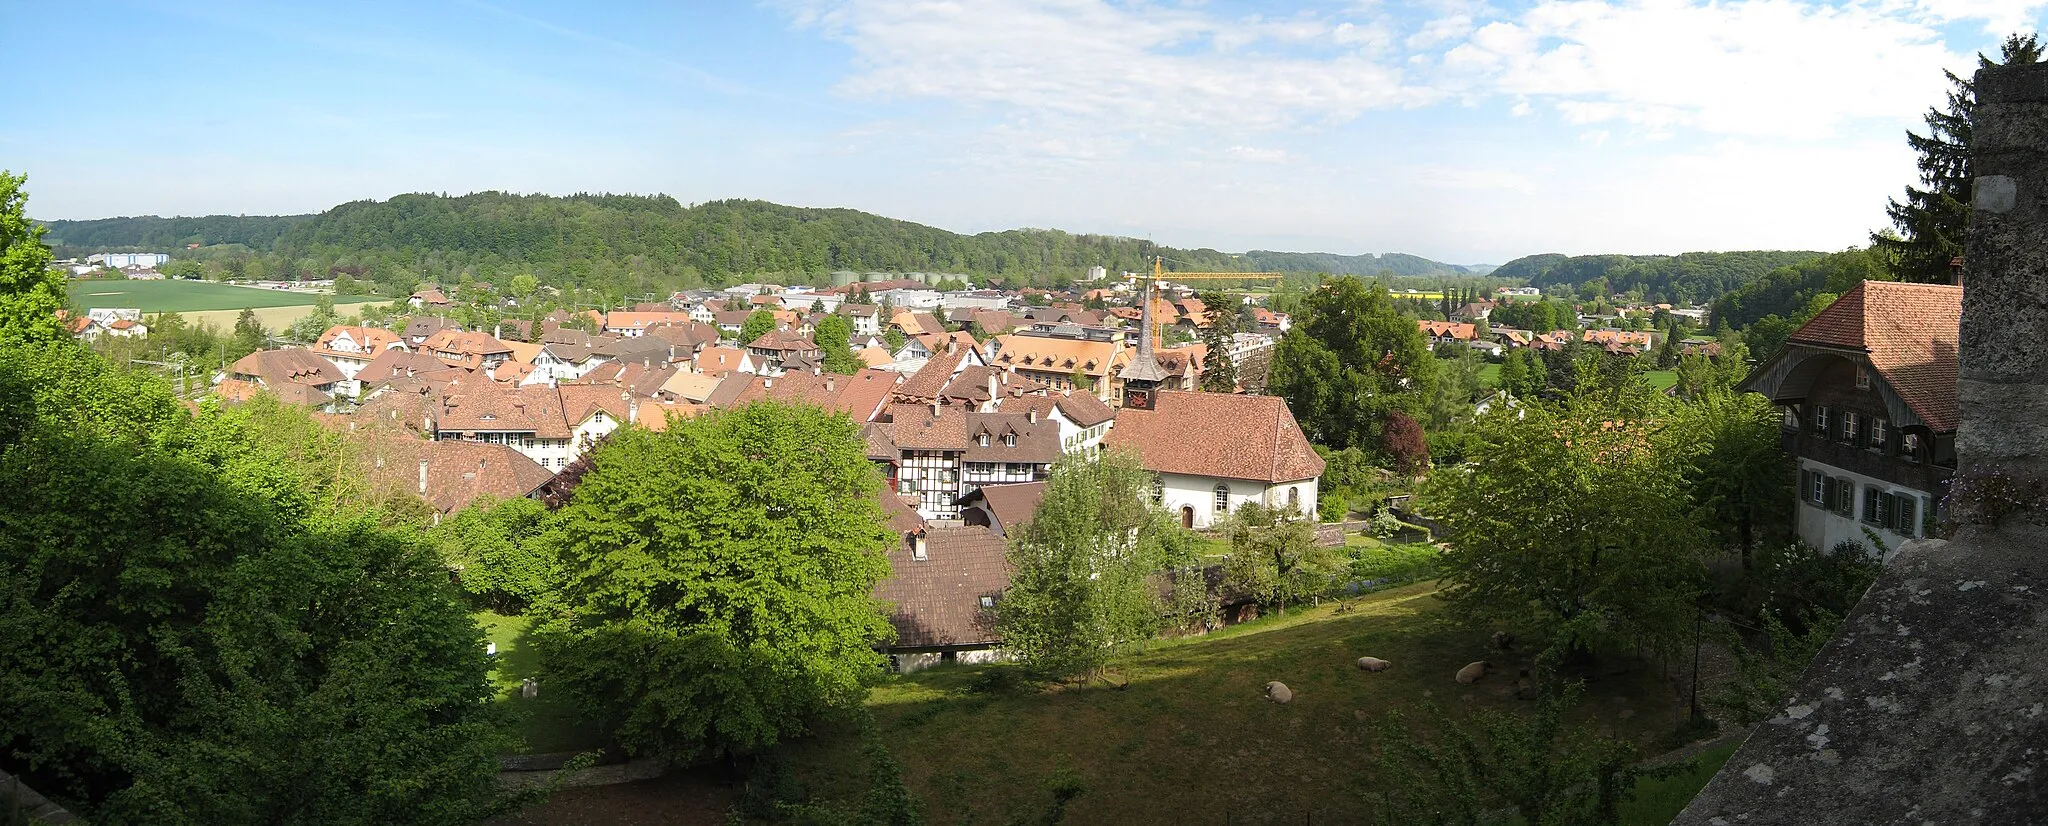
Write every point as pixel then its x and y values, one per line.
pixel 1931 224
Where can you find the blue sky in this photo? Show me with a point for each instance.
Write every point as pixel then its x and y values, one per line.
pixel 1462 131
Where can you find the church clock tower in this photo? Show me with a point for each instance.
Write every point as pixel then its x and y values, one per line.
pixel 1143 375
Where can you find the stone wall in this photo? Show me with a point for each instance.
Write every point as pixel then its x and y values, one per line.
pixel 1928 706
pixel 18 798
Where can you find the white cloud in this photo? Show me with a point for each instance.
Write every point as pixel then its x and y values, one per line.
pixel 2001 17
pixel 1256 155
pixel 1094 63
pixel 1758 68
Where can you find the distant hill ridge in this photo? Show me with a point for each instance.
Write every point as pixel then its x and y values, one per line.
pixel 714 241
pixel 1686 278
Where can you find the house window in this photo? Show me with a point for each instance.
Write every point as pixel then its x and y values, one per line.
pixel 988 601
pixel 1158 490
pixel 1813 488
pixel 1845 498
pixel 1294 499
pixel 1009 440
pixel 981 440
pixel 1880 431
pixel 1852 427
pixel 1862 377
pixel 1909 446
pixel 1820 420
pixel 1222 498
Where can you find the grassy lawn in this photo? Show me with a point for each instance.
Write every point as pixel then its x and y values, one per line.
pixel 1192 734
pixel 179 296
pixel 1658 801
pixel 547 723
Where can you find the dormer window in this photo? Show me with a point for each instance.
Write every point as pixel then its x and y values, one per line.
pixel 981 440
pixel 1009 440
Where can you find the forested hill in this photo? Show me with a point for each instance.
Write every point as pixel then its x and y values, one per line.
pixel 640 242
pixel 150 233
pixel 1690 278
pixel 1367 264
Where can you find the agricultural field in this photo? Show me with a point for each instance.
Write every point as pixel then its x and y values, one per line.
pixel 203 303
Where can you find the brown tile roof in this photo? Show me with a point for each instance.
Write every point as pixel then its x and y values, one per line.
pixel 1909 333
pixel 931 379
pixel 1012 504
pixel 489 408
pixel 457 472
pixel 236 390
pixel 917 427
pixel 1220 435
pixel 938 599
pixel 426 326
pixel 276 368
pixel 902 511
pixel 465 348
pixel 392 364
pixel 1036 443
pixel 1085 409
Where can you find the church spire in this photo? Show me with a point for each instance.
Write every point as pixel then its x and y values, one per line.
pixel 1141 377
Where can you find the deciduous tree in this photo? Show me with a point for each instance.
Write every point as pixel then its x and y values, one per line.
pixel 719 580
pixel 1081 590
pixel 30 292
pixel 758 323
pixel 1350 358
pixel 1570 515
pixel 193 629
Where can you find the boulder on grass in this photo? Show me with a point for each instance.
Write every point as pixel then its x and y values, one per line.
pixel 1471 673
pixel 1372 664
pixel 1279 692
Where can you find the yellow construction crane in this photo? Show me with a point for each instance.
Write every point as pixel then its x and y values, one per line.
pixel 1159 274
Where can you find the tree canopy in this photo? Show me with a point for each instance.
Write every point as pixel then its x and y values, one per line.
pixel 1349 359
pixel 1575 515
pixel 719 579
pixel 1081 589
pixel 30 292
pixel 199 623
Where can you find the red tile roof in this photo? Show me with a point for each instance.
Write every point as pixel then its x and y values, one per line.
pixel 1909 333
pixel 1219 435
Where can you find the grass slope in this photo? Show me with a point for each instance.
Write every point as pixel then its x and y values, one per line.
pixel 1192 736
pixel 544 724
pixel 179 296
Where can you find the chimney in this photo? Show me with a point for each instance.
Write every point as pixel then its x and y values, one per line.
pixel 994 392
pixel 1031 415
pixel 935 408
pixel 829 384
pixel 423 477
pixel 952 346
pixel 918 549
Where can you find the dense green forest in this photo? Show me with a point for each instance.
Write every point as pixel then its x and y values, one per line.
pixel 1688 278
pixel 631 244
pixel 150 233
pixel 1768 309
pixel 1367 264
